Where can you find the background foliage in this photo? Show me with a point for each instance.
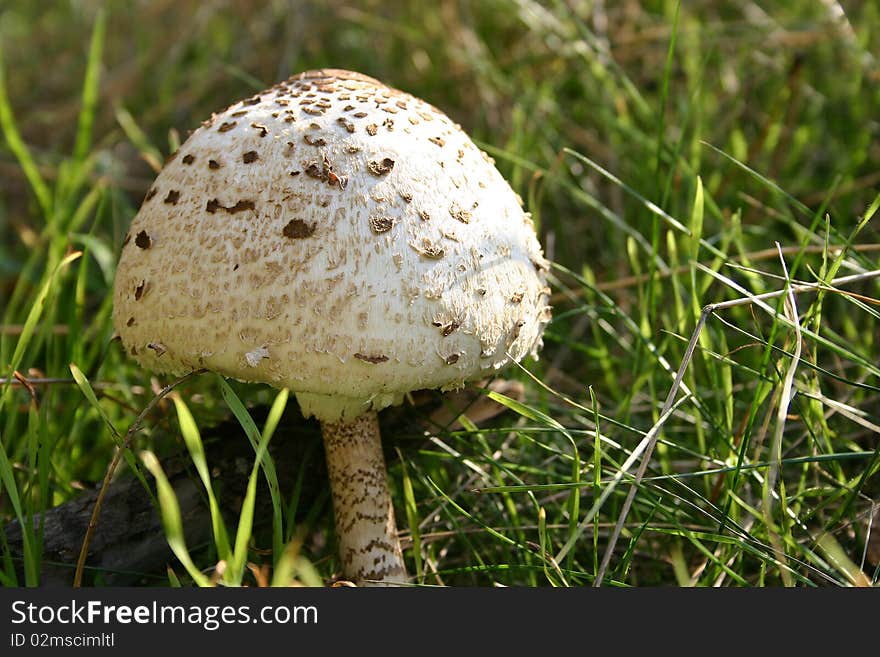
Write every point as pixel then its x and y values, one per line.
pixel 664 150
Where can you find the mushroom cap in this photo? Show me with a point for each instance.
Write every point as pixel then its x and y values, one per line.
pixel 337 237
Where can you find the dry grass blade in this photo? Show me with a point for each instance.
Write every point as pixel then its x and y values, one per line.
pixel 111 469
pixel 785 398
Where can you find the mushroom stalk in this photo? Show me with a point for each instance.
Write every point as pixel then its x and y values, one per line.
pixel 369 547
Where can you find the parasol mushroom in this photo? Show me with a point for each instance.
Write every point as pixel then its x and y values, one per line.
pixel 345 240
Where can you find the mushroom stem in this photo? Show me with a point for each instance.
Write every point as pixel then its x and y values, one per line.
pixel 369 548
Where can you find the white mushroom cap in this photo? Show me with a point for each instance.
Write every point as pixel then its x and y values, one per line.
pixel 337 237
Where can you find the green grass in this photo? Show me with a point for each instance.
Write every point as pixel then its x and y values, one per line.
pixel 674 158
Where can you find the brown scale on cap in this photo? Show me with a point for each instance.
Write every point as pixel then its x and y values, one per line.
pixel 142 240
pixel 214 205
pixel 380 168
pixel 458 213
pixel 298 229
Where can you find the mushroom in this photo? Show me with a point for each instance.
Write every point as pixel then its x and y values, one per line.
pixel 345 240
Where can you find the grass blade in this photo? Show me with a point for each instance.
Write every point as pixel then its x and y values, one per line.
pixel 90 88
pixel 268 465
pixel 246 517
pixel 193 440
pixel 171 520
pixel 88 392
pixel 412 519
pixel 27 529
pixel 138 137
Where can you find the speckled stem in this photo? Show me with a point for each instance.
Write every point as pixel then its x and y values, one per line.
pixel 367 533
